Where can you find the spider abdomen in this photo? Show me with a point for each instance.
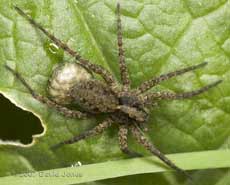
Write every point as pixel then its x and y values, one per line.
pixel 94 96
pixel 63 79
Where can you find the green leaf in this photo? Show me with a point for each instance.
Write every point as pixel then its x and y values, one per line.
pixel 159 36
pixel 87 173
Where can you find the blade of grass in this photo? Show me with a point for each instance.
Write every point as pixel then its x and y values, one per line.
pixel 112 169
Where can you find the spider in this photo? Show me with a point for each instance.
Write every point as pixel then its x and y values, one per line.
pixel 127 108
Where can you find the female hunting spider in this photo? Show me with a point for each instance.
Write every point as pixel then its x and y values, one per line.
pixel 126 107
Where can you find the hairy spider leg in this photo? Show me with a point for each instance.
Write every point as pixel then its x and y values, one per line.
pixel 150 97
pixel 105 74
pixel 123 142
pixel 63 110
pixel 150 147
pixel 122 64
pixel 89 133
pixel 145 86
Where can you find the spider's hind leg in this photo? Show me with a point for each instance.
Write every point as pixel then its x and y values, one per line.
pixel 89 133
pixel 105 74
pixel 63 110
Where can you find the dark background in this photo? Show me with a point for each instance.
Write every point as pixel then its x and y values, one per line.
pixel 17 124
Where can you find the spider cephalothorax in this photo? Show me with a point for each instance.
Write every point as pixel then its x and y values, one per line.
pixel 126 107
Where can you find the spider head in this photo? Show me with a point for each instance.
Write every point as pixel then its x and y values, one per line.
pixel 131 106
pixel 129 101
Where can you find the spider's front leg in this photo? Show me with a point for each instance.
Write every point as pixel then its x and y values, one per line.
pixel 151 97
pixel 150 147
pixel 123 142
pixel 145 86
pixel 63 110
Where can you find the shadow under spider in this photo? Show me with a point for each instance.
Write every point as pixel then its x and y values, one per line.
pixel 126 107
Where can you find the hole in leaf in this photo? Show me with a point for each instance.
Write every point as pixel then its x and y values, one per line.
pixel 17 124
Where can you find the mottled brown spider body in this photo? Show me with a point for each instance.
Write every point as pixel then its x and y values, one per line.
pixel 94 97
pixel 71 84
pixel 126 107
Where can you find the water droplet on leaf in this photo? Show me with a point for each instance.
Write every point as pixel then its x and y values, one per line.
pixel 53 48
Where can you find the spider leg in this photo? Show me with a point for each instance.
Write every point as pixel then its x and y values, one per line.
pixel 150 147
pixel 63 110
pixel 123 142
pixel 150 97
pixel 89 133
pixel 132 112
pixel 123 67
pixel 106 75
pixel 145 86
